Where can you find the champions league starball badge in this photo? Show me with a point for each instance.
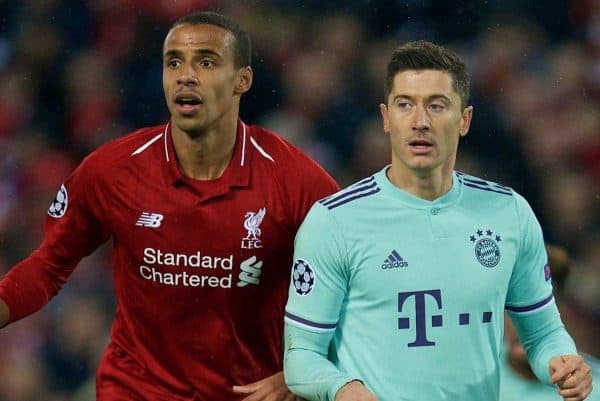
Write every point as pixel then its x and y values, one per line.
pixel 487 250
pixel 58 207
pixel 303 277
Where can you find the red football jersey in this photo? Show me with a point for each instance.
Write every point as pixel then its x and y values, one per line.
pixel 201 268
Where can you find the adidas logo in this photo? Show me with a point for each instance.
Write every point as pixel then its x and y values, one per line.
pixel 393 261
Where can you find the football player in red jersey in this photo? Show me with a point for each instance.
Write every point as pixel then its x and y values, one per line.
pixel 202 213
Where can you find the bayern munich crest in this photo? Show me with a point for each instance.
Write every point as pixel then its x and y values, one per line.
pixel 487 250
pixel 303 277
pixel 58 207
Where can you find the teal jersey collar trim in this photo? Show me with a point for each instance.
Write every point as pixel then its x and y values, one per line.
pixel 389 189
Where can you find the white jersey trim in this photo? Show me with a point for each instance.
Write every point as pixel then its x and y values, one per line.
pixel 166 148
pixel 146 145
pixel 261 150
pixel 243 144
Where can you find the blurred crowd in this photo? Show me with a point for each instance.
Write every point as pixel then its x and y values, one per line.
pixel 77 73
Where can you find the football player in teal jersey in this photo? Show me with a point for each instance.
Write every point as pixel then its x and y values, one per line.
pixel 400 281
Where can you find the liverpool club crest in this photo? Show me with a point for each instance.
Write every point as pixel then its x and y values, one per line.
pixel 252 225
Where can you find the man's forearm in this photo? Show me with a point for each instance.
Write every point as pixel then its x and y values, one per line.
pixel 312 376
pixel 543 336
pixel 308 372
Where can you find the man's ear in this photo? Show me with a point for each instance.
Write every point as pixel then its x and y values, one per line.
pixel 243 80
pixel 465 120
pixel 384 116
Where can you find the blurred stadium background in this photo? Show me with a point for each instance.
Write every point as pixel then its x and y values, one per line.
pixel 77 73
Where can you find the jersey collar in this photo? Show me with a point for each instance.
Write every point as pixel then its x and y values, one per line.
pixel 389 189
pixel 237 173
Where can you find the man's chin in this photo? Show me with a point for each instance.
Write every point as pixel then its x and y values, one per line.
pixel 189 125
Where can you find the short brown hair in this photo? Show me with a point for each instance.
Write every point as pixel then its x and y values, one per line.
pixel 422 55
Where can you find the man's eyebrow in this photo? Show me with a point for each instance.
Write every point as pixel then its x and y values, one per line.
pixel 429 98
pixel 400 96
pixel 172 53
pixel 207 52
pixel 440 96
pixel 201 52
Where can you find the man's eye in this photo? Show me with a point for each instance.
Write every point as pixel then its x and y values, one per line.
pixel 403 105
pixel 174 63
pixel 436 107
pixel 207 63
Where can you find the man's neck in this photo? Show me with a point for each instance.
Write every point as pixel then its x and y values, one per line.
pixel 205 155
pixel 427 186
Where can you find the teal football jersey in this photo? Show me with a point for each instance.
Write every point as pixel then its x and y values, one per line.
pixel 412 292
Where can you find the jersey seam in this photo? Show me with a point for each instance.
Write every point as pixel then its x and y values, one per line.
pixel 282 198
pixel 521 233
pixel 98 181
pixel 344 242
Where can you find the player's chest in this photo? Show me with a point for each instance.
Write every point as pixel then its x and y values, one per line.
pixel 435 249
pixel 177 220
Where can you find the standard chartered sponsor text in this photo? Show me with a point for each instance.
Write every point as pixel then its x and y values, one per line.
pixel 154 259
pixel 158 257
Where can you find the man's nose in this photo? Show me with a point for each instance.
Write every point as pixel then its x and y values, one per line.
pixel 188 75
pixel 422 120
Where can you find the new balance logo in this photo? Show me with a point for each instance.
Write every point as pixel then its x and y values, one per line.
pixel 152 220
pixel 393 261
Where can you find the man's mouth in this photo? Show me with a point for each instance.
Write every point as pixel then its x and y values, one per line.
pixel 187 102
pixel 420 146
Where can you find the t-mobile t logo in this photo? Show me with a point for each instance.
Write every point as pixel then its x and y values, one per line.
pixel 420 298
pixel 420 315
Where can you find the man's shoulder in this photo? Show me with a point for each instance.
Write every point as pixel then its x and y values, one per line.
pixel 104 163
pixel 483 194
pixel 483 186
pixel 131 144
pixel 353 198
